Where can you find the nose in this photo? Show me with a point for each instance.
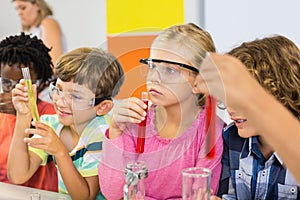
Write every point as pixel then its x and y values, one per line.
pixel 154 76
pixel 59 99
pixel 19 12
pixel 231 112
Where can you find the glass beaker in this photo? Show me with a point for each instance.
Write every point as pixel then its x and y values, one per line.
pixel 196 183
pixel 135 173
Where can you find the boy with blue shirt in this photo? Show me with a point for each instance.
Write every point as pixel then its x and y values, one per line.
pixel 17 51
pixel 250 167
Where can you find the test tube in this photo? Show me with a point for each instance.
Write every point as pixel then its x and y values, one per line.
pixel 142 126
pixel 210 126
pixel 31 98
pixel 1 88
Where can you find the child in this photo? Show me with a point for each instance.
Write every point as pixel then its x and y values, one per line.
pixel 236 88
pixel 87 79
pixel 251 168
pixel 175 131
pixel 16 52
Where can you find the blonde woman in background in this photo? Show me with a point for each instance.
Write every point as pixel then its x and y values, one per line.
pixel 36 18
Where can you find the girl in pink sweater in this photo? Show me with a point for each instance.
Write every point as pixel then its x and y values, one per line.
pixel 175 128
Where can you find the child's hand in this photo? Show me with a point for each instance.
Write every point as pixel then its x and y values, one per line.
pixel 202 195
pixel 129 110
pixel 47 141
pixel 20 98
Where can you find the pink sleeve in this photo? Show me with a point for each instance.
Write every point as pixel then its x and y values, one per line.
pixel 214 164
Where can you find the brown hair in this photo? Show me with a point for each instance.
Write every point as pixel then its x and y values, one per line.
pixel 275 64
pixel 100 71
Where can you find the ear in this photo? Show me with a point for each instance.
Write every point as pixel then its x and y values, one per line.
pixel 104 107
pixel 195 88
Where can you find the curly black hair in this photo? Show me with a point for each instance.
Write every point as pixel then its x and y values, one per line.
pixel 29 51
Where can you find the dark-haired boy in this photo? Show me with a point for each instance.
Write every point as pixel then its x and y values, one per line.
pixel 16 52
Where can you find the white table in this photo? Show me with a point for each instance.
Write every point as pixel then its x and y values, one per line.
pixel 16 192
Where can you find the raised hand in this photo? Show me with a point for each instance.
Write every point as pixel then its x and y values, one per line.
pixel 20 98
pixel 45 138
pixel 129 110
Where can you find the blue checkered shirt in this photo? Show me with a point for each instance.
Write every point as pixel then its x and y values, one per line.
pixel 246 174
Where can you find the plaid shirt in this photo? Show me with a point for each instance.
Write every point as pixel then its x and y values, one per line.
pixel 246 174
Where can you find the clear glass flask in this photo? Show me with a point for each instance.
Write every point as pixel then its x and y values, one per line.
pixel 135 173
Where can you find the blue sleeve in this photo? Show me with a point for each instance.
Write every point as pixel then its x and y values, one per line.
pixel 225 173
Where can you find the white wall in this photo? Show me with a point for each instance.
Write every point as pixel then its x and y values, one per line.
pixel 232 21
pixel 9 21
pixel 83 22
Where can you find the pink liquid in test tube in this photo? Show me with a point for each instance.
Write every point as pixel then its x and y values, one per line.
pixel 142 126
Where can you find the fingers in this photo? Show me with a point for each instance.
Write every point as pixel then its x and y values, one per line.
pixel 33 141
pixel 43 136
pixel 20 91
pixel 20 98
pixel 130 110
pixel 40 130
pixel 202 194
pixel 38 142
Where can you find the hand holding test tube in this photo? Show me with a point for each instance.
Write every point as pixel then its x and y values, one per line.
pixel 142 126
pixel 31 97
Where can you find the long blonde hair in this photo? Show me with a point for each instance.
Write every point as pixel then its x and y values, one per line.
pixel 191 41
pixel 45 10
pixel 93 67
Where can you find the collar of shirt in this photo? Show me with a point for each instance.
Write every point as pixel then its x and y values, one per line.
pixel 251 147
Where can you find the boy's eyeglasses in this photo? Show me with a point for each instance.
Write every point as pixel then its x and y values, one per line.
pixel 169 71
pixel 6 85
pixel 77 101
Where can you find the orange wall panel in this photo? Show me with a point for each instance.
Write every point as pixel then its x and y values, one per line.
pixel 129 50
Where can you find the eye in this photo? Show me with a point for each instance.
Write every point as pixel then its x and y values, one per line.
pixel 22 7
pixel 76 97
pixel 52 88
pixel 56 89
pixel 171 70
pixel 6 82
